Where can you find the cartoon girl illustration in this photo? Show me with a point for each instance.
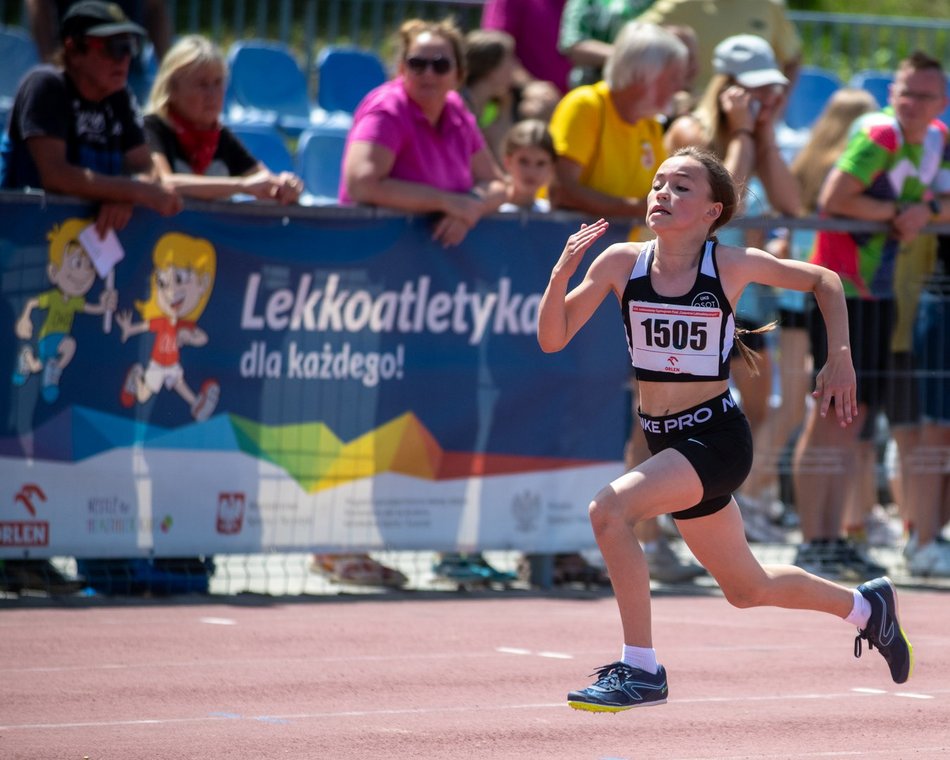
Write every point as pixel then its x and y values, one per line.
pixel 72 274
pixel 179 288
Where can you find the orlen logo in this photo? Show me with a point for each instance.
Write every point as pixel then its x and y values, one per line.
pixel 230 512
pixel 26 532
pixel 27 494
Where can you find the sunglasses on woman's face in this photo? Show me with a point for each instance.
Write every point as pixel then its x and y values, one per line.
pixel 418 65
pixel 117 48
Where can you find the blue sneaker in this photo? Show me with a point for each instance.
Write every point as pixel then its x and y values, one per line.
pixel 883 631
pixel 621 687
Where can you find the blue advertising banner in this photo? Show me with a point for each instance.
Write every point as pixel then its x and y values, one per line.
pixel 243 378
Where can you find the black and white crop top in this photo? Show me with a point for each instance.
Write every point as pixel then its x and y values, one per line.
pixel 684 338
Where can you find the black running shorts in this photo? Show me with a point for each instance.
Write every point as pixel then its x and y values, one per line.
pixel 716 440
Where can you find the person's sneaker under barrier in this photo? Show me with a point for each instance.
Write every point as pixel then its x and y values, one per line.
pixel 621 687
pixel 666 567
pixel 855 561
pixel 883 630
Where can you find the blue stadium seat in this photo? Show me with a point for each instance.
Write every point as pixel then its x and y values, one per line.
pixel 808 97
pixel 18 53
pixel 945 116
pixel 875 82
pixel 319 158
pixel 266 144
pixel 143 71
pixel 266 85
pixel 345 75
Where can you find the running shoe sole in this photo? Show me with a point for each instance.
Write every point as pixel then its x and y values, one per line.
pixel 594 707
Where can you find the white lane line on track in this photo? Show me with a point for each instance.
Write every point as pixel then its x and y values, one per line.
pixel 330 715
pixel 887 752
pixel 907 694
pixel 217 621
pixel 520 651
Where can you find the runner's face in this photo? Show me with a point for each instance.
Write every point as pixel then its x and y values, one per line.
pixel 680 197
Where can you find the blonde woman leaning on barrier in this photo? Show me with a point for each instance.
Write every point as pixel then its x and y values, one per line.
pixel 192 151
pixel 677 296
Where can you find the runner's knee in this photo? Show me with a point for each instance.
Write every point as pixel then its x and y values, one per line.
pixel 607 513
pixel 744 594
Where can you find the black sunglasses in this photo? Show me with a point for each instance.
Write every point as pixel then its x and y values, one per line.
pixel 118 47
pixel 439 65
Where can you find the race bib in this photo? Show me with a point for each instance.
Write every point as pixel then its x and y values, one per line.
pixel 676 339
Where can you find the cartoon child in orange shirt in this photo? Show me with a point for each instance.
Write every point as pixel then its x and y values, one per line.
pixel 180 286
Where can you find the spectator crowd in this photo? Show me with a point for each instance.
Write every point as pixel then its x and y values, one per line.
pixel 572 105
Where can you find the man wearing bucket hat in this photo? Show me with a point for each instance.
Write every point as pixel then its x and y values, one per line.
pixel 75 129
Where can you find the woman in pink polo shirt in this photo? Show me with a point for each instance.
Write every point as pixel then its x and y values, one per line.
pixel 414 146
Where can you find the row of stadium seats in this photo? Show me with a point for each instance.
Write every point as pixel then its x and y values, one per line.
pixel 316 158
pixel 18 54
pixel 267 99
pixel 267 85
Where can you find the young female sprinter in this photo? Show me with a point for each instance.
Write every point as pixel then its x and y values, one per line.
pixel 677 295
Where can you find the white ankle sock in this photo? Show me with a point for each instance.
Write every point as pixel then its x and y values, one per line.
pixel 860 612
pixel 640 657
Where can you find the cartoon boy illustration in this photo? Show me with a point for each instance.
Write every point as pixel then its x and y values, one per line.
pixel 180 286
pixel 72 274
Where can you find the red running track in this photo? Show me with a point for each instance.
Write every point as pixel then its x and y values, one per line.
pixel 457 677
